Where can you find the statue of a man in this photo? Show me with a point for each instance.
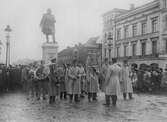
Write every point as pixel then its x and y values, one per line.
pixel 48 25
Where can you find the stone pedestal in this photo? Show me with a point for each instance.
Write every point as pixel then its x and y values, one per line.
pixel 49 50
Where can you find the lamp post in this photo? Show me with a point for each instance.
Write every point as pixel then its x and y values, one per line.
pixel 0 49
pixel 8 30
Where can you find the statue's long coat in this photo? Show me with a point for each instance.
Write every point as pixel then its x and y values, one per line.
pixel 48 24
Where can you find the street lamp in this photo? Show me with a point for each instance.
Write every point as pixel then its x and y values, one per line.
pixel 8 30
pixel 0 48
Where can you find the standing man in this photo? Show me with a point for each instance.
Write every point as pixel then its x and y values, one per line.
pixel 74 85
pixel 42 74
pixel 53 79
pixel 24 77
pixel 112 83
pixel 104 73
pixel 126 81
pixel 61 75
pixel 82 79
pixel 77 82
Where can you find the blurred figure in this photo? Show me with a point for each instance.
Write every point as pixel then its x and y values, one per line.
pixel 61 77
pixel 92 84
pixel 42 74
pixel 104 73
pixel 24 78
pixel 53 81
pixel 82 76
pixel 74 86
pixel 126 80
pixel 164 78
pixel 112 83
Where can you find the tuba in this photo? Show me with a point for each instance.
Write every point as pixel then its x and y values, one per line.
pixel 42 72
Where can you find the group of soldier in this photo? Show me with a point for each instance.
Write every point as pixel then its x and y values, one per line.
pixel 59 82
pixel 74 81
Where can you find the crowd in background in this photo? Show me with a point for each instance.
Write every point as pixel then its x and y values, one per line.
pixel 10 77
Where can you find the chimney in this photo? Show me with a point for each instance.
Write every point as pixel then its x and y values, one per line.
pixel 132 6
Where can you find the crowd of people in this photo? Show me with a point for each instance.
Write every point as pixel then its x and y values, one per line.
pixel 10 77
pixel 76 81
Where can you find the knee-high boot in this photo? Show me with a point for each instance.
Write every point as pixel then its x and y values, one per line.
pixel 124 96
pixel 53 98
pixel 107 98
pixel 76 98
pixel 71 97
pixel 94 96
pixel 89 97
pixel 65 95
pixel 114 100
pixel 130 96
pixel 61 95
pixel 50 100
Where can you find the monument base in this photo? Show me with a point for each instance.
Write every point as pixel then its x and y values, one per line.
pixel 50 51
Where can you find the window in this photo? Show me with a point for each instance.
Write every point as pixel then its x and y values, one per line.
pixel 143 28
pixel 133 49
pixel 134 29
pixel 154 47
pixel 125 50
pixel 109 51
pixel 117 51
pixel 126 32
pixel 143 48
pixel 166 45
pixel 118 34
pixel 105 52
pixel 109 36
pixel 154 24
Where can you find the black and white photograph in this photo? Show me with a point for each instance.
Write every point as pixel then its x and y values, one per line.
pixel 83 60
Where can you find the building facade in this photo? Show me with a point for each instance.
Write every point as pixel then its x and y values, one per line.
pixel 138 34
pixel 81 52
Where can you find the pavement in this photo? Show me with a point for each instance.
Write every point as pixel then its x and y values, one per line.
pixel 14 107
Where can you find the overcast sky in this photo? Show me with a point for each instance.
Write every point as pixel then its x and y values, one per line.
pixel 76 21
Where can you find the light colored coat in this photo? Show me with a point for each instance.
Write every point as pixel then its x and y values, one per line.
pixel 67 80
pixel 104 73
pixel 126 80
pixel 92 83
pixel 73 81
pixel 112 80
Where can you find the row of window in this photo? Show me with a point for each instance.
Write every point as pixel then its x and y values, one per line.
pixel 143 28
pixel 154 25
pixel 134 49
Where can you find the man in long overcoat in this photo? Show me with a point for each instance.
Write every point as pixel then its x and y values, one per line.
pixel 74 83
pixel 112 83
pixel 53 81
pixel 126 81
